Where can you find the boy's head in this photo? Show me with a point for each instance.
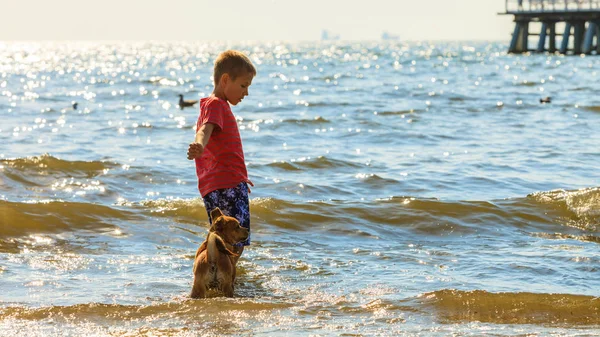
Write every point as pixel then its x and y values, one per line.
pixel 233 73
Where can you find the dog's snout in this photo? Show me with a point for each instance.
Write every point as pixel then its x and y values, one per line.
pixel 244 232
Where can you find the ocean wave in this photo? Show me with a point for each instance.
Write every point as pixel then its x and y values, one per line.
pixel 512 308
pixel 561 236
pixel 581 208
pixel 183 308
pixel 49 164
pixel 594 108
pixel 47 216
pixel 454 97
pixel 283 165
pixel 528 83
pixel 399 112
pixel 322 162
pixel 401 215
pixel 329 104
pixel 397 215
pixel 308 163
pixel 375 180
pixel 314 121
pixel 192 211
pixel 50 177
pixel 181 210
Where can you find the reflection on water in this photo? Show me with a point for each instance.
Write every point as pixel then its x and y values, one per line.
pixel 401 189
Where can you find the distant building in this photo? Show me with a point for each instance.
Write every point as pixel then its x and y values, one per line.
pixel 388 36
pixel 325 36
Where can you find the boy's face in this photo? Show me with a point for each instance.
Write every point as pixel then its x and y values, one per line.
pixel 236 90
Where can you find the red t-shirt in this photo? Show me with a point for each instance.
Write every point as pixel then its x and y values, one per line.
pixel 222 163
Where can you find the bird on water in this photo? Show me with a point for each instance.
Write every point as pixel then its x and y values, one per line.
pixel 72 107
pixel 185 103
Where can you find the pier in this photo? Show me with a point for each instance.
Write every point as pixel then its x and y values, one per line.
pixel 564 26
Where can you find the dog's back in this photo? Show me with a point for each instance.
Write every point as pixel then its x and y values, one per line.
pixel 213 267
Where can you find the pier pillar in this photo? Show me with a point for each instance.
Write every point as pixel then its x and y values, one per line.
pixel 552 44
pixel 542 42
pixel 589 37
pixel 597 38
pixel 578 34
pixel 564 44
pixel 518 44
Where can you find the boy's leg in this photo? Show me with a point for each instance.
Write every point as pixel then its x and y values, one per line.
pixel 241 211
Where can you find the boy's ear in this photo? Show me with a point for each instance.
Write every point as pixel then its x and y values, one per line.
pixel 215 213
pixel 224 78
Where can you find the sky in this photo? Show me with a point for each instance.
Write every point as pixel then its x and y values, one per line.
pixel 254 20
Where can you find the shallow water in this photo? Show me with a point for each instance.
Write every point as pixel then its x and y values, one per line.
pixel 400 189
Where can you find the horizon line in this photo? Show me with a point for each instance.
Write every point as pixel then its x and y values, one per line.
pixel 252 41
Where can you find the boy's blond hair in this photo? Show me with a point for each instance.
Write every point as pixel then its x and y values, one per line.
pixel 234 63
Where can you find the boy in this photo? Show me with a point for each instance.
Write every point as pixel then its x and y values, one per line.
pixel 217 149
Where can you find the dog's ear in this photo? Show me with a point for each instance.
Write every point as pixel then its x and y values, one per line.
pixel 217 225
pixel 215 213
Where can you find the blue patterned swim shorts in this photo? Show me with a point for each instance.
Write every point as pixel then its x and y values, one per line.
pixel 233 202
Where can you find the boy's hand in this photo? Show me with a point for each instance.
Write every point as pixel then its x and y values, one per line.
pixel 195 151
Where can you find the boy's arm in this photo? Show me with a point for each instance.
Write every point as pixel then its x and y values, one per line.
pixel 202 136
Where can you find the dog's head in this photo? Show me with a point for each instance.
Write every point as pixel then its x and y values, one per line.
pixel 228 228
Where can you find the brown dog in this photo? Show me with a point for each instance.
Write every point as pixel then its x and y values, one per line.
pixel 214 265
